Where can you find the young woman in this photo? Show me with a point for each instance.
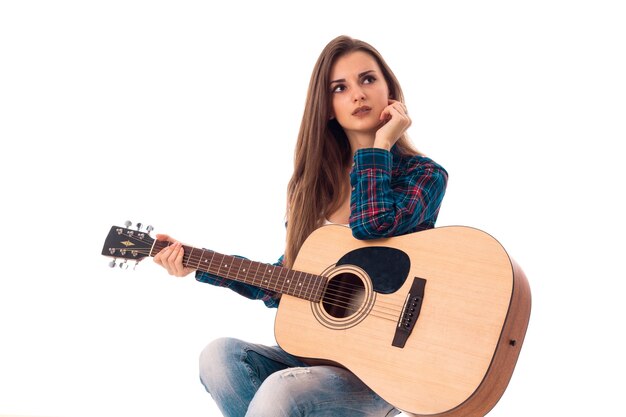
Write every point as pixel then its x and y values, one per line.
pixel 354 165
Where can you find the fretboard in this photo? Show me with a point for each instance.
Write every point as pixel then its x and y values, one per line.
pixel 275 278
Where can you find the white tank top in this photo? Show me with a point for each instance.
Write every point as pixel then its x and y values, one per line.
pixel 326 222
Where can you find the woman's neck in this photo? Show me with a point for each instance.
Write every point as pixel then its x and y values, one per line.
pixel 360 141
pixel 364 140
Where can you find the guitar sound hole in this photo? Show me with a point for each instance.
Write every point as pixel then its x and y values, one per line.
pixel 344 295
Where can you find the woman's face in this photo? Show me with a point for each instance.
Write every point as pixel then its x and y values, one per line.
pixel 359 92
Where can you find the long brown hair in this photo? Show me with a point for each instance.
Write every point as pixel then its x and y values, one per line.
pixel 322 153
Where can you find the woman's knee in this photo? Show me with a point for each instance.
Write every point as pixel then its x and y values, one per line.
pixel 216 358
pixel 279 396
pixel 318 390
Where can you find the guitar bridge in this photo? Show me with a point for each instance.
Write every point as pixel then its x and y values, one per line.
pixel 410 312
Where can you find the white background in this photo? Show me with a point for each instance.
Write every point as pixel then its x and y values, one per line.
pixel 184 115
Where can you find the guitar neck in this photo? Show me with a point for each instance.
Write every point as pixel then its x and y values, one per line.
pixel 274 278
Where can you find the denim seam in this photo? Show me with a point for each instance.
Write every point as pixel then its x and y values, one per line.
pixel 253 376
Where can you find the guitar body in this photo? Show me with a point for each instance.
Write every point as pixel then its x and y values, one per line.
pixel 467 330
pixel 432 321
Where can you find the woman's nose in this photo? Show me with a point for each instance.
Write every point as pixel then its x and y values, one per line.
pixel 358 94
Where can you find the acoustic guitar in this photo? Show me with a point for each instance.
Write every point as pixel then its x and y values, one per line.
pixel 432 321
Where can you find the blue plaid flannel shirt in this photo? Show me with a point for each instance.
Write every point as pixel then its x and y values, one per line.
pixel 391 196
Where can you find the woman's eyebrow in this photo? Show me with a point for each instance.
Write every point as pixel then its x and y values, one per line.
pixel 343 80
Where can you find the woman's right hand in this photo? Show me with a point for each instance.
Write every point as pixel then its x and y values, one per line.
pixel 395 121
pixel 171 258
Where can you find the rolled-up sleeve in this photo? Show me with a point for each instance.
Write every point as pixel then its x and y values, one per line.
pixel 393 195
pixel 270 298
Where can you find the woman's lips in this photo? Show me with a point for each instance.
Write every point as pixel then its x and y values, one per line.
pixel 362 111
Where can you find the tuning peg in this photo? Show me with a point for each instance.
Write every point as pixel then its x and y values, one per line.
pixel 139 226
pixel 149 228
pixel 112 263
pixel 128 223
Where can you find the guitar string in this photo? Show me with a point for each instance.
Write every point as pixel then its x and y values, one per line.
pixel 379 311
pixel 342 296
pixel 238 263
pixel 349 285
pixel 339 297
pixel 333 300
pixel 197 261
pixel 188 248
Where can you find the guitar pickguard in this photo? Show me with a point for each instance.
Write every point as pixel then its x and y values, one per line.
pixel 388 268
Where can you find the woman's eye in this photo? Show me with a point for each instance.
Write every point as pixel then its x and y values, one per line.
pixel 368 79
pixel 338 88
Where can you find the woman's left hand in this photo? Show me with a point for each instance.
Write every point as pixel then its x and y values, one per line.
pixel 395 121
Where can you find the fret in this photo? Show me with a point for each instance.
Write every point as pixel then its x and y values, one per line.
pixel 238 269
pixel 273 279
pixel 307 289
pixel 200 259
pixel 312 282
pixel 256 274
pixel 229 264
pixel 278 271
pixel 188 263
pixel 270 277
pixel 303 290
pixel 281 280
pixel 222 264
pixel 318 292
pixel 185 258
pixel 260 275
pixel 158 247
pixel 245 269
pixel 214 264
pixel 252 272
pixel 264 275
pixel 302 285
pixel 294 280
pixel 265 279
pixel 276 277
pixel 285 281
pixel 210 262
pixel 289 280
pixel 299 285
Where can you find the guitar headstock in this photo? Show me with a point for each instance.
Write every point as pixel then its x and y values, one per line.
pixel 125 243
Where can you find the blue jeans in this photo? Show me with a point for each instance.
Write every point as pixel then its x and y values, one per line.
pixel 253 380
